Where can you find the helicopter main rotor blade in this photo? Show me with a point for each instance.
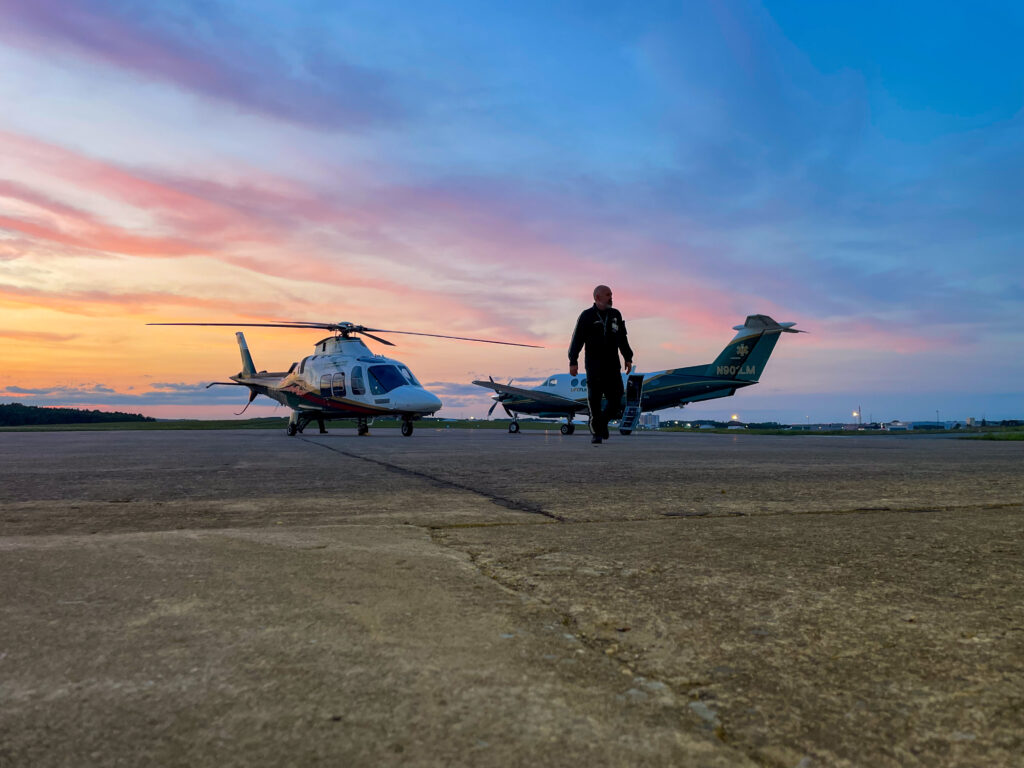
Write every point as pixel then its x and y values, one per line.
pixel 325 326
pixel 377 338
pixel 346 328
pixel 458 338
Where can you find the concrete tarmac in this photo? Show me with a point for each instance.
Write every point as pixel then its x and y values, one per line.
pixel 241 598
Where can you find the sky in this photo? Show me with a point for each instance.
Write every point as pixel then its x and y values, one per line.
pixel 477 168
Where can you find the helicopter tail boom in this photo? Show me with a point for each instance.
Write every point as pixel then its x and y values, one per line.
pixel 248 367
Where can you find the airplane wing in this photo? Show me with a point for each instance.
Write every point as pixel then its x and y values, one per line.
pixel 555 402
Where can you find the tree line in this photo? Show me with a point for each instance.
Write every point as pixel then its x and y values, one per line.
pixel 17 415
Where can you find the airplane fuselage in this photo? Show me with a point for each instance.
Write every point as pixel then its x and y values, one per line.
pixel 661 389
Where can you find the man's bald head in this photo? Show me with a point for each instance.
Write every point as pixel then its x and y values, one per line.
pixel 603 297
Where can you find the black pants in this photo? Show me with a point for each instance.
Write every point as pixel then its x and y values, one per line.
pixel 606 385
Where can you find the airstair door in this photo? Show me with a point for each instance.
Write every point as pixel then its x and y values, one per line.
pixel 634 395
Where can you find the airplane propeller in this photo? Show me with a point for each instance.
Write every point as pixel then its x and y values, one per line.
pixel 500 398
pixel 345 329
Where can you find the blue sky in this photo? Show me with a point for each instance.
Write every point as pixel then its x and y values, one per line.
pixel 854 167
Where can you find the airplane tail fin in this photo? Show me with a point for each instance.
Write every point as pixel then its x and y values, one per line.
pixel 248 367
pixel 745 357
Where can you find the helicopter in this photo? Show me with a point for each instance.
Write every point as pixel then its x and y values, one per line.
pixel 342 379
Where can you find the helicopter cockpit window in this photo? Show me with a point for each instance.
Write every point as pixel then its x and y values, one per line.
pixel 325 385
pixel 358 387
pixel 302 365
pixel 339 385
pixel 384 378
pixel 408 376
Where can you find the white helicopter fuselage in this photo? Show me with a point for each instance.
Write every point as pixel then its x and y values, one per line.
pixel 342 378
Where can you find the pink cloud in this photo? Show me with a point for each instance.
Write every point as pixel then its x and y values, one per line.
pixel 34 336
pixel 213 59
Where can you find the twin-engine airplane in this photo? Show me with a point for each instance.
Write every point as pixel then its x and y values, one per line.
pixel 342 379
pixel 739 365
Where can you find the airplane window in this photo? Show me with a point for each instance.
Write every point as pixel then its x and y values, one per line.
pixel 358 387
pixel 325 385
pixel 384 378
pixel 408 375
pixel 339 385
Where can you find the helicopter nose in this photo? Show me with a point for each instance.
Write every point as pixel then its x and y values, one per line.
pixel 415 400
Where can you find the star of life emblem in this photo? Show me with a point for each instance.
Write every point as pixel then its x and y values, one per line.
pixel 742 349
pixel 615 326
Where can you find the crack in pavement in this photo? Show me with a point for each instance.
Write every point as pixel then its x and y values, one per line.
pixel 501 501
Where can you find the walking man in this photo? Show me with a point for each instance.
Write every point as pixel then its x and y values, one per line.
pixel 601 330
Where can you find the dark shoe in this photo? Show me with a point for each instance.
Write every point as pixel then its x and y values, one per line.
pixel 604 432
pixel 595 440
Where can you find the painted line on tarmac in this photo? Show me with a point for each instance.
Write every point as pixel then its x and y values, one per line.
pixel 501 501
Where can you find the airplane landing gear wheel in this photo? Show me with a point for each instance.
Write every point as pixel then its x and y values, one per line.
pixel 625 431
pixel 513 428
pixel 406 428
pixel 567 429
pixel 292 429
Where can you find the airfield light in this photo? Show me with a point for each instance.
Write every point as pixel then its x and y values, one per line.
pixel 735 417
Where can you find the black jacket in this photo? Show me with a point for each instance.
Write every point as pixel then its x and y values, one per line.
pixel 603 333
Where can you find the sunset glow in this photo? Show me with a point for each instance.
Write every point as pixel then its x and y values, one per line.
pixel 476 170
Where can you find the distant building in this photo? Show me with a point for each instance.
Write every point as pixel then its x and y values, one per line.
pixel 650 421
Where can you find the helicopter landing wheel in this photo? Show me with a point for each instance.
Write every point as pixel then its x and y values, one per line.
pixel 513 428
pixel 567 429
pixel 406 428
pixel 292 429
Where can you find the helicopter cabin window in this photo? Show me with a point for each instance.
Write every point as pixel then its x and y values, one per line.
pixel 552 382
pixel 408 376
pixel 358 387
pixel 325 385
pixel 384 378
pixel 339 385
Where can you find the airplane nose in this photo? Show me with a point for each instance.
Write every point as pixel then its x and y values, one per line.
pixel 415 400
